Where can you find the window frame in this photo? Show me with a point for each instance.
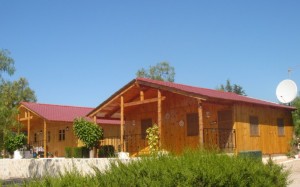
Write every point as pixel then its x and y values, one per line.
pixel 254 126
pixel 61 135
pixel 192 124
pixel 48 136
pixel 145 124
pixel 280 127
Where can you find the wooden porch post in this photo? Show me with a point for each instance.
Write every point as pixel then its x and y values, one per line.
pixel 95 148
pixel 28 128
pixel 159 115
pixel 122 123
pixel 200 116
pixel 45 139
pixel 18 124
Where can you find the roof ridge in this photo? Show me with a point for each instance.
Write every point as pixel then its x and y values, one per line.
pixel 57 105
pixel 181 84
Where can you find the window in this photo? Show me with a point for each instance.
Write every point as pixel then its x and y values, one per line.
pixel 61 135
pixel 254 127
pixel 192 124
pixel 35 137
pixel 145 124
pixel 48 136
pixel 280 127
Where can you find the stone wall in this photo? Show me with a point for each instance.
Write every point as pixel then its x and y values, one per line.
pixel 30 168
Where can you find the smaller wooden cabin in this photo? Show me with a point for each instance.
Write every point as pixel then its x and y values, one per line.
pixel 50 127
pixel 194 117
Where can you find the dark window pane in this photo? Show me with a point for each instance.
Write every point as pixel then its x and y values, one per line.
pixel 192 124
pixel 145 124
pixel 280 127
pixel 254 126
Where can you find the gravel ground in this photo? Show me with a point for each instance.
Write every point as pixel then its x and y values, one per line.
pixel 294 167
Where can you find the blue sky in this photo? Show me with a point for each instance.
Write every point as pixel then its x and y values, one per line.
pixel 80 52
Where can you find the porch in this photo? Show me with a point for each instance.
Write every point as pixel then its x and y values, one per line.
pixel 136 144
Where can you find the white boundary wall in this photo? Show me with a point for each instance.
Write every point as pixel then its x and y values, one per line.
pixel 30 168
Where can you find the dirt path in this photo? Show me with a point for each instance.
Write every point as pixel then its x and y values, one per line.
pixel 294 166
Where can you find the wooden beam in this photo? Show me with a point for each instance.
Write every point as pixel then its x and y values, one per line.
pixel 153 100
pixel 234 119
pixel 116 109
pixel 45 139
pixel 122 123
pixel 115 96
pixel 28 129
pixel 141 95
pixel 200 116
pixel 25 119
pixel 159 99
pixel 18 124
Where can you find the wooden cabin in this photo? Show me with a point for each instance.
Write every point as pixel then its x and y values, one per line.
pixel 192 117
pixel 50 127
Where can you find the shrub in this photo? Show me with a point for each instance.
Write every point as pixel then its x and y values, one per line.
pixel 89 133
pixel 106 151
pixel 77 152
pixel 68 151
pixel 190 169
pixel 14 141
pixel 85 152
pixel 153 139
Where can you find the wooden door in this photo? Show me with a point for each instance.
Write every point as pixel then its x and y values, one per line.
pixel 225 126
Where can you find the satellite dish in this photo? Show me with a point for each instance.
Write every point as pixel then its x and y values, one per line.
pixel 286 91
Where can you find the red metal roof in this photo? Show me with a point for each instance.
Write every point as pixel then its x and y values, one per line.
pixel 210 93
pixel 63 113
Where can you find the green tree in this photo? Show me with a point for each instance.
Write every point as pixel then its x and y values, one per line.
pixel 296 116
pixel 6 63
pixel 162 71
pixel 11 94
pixel 14 141
pixel 88 132
pixel 232 88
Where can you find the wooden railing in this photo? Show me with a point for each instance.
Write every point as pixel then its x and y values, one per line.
pixel 224 139
pixel 134 143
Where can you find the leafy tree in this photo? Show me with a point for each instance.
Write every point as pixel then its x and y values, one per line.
pixel 14 141
pixel 11 94
pixel 161 71
pixel 232 88
pixel 296 116
pixel 88 132
pixel 6 63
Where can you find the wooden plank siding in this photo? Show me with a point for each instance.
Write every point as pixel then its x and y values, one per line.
pixel 268 140
pixel 175 109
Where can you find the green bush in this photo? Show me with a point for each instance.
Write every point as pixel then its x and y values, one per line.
pixel 68 152
pixel 77 152
pixel 106 151
pixel 85 152
pixel 14 141
pixel 88 132
pixel 190 169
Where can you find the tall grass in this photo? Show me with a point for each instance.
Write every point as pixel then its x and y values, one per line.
pixel 193 168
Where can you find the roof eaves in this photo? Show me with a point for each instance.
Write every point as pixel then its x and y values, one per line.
pixel 24 104
pixel 172 89
pixel 112 97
